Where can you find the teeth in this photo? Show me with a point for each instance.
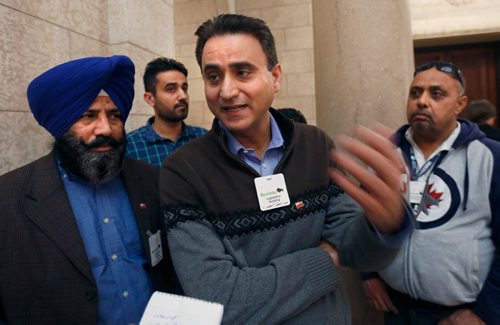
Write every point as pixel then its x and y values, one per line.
pixel 234 108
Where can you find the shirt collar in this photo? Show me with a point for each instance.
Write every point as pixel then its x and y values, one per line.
pixel 446 145
pixel 235 146
pixel 150 134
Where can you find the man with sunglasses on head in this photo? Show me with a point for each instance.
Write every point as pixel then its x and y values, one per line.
pixel 448 270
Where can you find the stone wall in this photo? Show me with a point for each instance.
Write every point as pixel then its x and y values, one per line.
pixel 461 20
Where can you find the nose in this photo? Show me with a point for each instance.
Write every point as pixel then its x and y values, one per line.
pixel 423 100
pixel 228 89
pixel 183 95
pixel 103 126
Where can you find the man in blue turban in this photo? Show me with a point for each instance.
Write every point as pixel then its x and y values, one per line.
pixel 80 238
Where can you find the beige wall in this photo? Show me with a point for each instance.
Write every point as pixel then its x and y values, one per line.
pixel 433 19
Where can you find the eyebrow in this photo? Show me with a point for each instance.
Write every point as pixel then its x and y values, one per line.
pixel 242 64
pixel 234 65
pixel 174 84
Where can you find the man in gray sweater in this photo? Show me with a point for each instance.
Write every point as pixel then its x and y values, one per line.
pixel 253 220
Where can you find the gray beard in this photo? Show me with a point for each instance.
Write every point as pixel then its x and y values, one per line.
pixel 95 167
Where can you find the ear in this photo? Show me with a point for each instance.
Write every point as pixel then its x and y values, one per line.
pixel 149 98
pixel 461 104
pixel 276 75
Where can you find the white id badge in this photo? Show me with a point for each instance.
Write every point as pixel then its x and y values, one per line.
pixel 155 248
pixel 416 191
pixel 271 192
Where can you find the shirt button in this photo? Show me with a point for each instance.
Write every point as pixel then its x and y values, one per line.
pixel 245 151
pixel 114 257
pixel 264 166
pixel 125 294
pixel 106 220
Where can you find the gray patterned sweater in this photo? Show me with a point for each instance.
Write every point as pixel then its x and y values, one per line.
pixel 264 267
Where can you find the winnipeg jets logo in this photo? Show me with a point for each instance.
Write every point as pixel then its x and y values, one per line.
pixel 440 201
pixel 430 198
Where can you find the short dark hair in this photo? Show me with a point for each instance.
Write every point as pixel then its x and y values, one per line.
pixel 479 111
pixel 293 114
pixel 160 65
pixel 237 24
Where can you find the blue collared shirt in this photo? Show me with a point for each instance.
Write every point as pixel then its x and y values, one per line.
pixel 272 155
pixel 112 242
pixel 147 145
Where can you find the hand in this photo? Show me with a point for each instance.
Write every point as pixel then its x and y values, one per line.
pixel 462 317
pixel 330 250
pixel 376 291
pixel 380 196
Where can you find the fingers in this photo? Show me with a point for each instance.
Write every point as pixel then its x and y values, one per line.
pixel 369 202
pixel 377 152
pixel 380 194
pixel 330 249
pixel 376 291
pixel 390 306
pixel 462 317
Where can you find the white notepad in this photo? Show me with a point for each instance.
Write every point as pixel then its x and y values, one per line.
pixel 169 309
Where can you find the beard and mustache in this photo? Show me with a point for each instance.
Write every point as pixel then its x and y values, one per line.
pixel 96 167
pixel 172 115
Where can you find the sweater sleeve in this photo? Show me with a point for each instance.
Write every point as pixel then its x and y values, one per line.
pixel 209 270
pixel 488 300
pixel 358 245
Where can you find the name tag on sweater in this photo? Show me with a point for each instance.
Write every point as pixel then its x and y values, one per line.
pixel 271 192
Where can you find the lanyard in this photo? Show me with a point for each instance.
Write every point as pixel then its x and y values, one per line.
pixel 432 163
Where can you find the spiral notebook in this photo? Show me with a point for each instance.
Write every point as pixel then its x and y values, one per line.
pixel 169 309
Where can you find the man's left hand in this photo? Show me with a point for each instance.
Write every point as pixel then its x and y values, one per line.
pixel 380 194
pixel 462 317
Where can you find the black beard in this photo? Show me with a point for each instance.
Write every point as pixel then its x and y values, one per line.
pixel 171 116
pixel 95 167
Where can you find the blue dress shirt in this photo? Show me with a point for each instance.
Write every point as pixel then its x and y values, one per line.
pixel 112 242
pixel 272 155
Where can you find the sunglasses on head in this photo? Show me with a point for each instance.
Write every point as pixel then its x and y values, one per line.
pixel 446 67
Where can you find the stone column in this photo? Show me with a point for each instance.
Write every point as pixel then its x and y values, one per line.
pixel 142 32
pixel 363 68
pixel 363 62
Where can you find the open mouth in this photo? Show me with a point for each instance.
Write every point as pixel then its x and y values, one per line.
pixel 234 108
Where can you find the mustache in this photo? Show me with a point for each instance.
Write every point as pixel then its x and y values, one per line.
pixel 181 102
pixel 412 116
pixel 101 140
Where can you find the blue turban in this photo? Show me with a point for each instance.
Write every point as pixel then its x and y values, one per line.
pixel 60 96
